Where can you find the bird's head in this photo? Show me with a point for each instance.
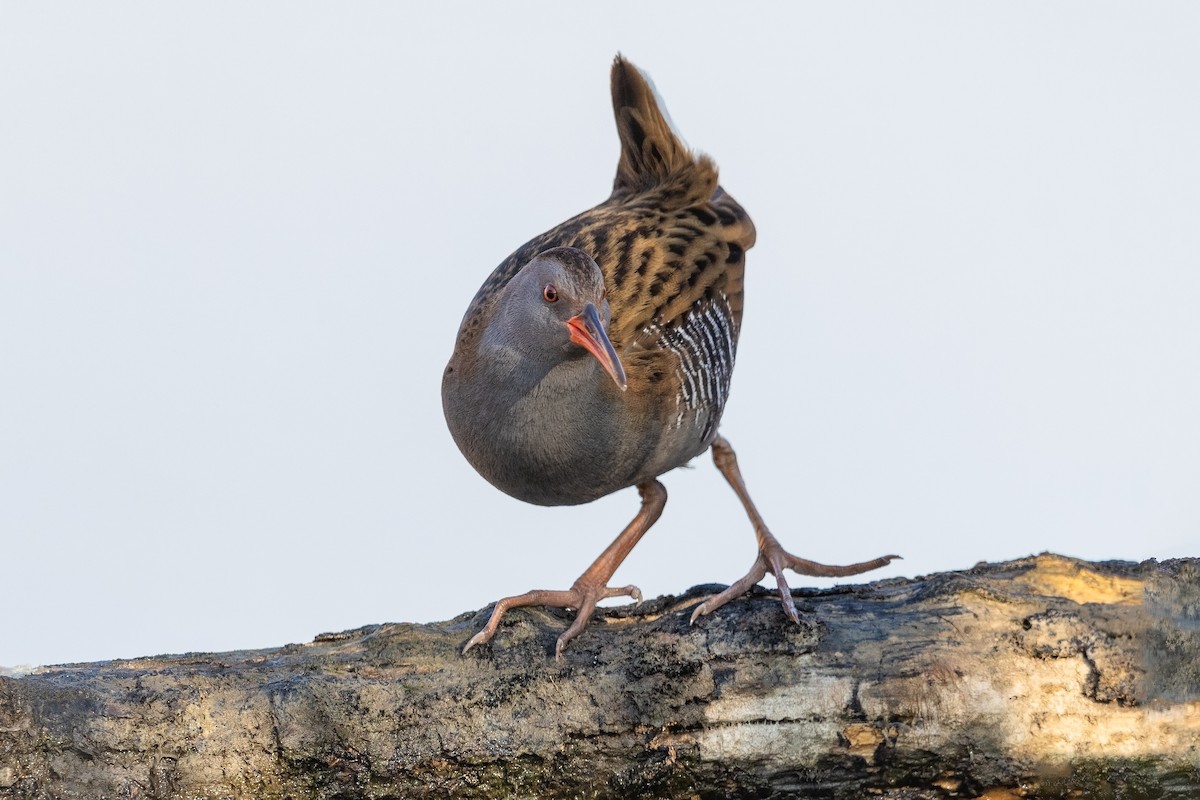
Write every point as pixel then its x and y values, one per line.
pixel 555 307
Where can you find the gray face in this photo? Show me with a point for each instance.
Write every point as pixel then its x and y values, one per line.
pixel 534 307
pixel 537 408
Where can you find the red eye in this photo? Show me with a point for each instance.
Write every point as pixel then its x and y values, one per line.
pixel 550 293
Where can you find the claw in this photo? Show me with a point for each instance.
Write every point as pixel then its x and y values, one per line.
pixel 785 597
pixel 478 638
pixel 771 555
pixel 630 591
pixel 581 597
pixel 774 559
pixel 592 586
pixel 489 630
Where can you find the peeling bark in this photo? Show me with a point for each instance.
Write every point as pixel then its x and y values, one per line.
pixel 1043 677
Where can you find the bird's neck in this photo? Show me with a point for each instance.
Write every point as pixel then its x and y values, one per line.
pixel 536 385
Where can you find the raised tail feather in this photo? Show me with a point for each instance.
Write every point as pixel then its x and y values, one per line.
pixel 651 151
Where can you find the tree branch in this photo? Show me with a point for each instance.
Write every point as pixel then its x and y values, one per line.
pixel 1032 678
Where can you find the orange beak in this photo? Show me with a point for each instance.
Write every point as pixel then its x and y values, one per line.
pixel 587 331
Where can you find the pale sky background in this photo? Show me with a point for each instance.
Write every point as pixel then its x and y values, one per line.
pixel 236 241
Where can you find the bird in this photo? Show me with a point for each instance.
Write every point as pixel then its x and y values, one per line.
pixel 598 356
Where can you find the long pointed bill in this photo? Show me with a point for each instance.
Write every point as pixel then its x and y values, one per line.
pixel 587 331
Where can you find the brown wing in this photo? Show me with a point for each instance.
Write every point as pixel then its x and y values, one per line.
pixel 671 244
pixel 675 268
pixel 669 238
pixel 677 297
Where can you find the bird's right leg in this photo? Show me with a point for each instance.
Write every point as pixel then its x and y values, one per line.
pixel 772 557
pixel 592 586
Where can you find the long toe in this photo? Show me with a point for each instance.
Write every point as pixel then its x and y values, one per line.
pixel 735 590
pixel 802 566
pixel 536 597
pixel 581 598
pixel 588 597
pixel 632 592
pixel 785 597
pixel 480 638
pixel 773 559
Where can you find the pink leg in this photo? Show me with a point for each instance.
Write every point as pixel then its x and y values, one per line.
pixel 592 586
pixel 771 555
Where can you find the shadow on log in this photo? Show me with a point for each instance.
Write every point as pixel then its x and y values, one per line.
pixel 1043 677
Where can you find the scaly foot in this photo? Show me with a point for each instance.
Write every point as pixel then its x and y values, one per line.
pixel 771 555
pixel 774 559
pixel 583 598
pixel 592 586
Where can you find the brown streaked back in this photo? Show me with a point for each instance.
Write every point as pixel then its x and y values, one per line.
pixel 669 240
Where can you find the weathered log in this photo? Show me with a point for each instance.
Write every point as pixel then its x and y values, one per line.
pixel 1043 677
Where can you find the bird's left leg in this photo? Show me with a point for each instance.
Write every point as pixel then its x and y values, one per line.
pixel 592 586
pixel 771 555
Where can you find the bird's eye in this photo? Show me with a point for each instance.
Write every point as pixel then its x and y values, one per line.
pixel 550 293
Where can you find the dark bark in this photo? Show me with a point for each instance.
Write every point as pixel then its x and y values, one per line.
pixel 1033 678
